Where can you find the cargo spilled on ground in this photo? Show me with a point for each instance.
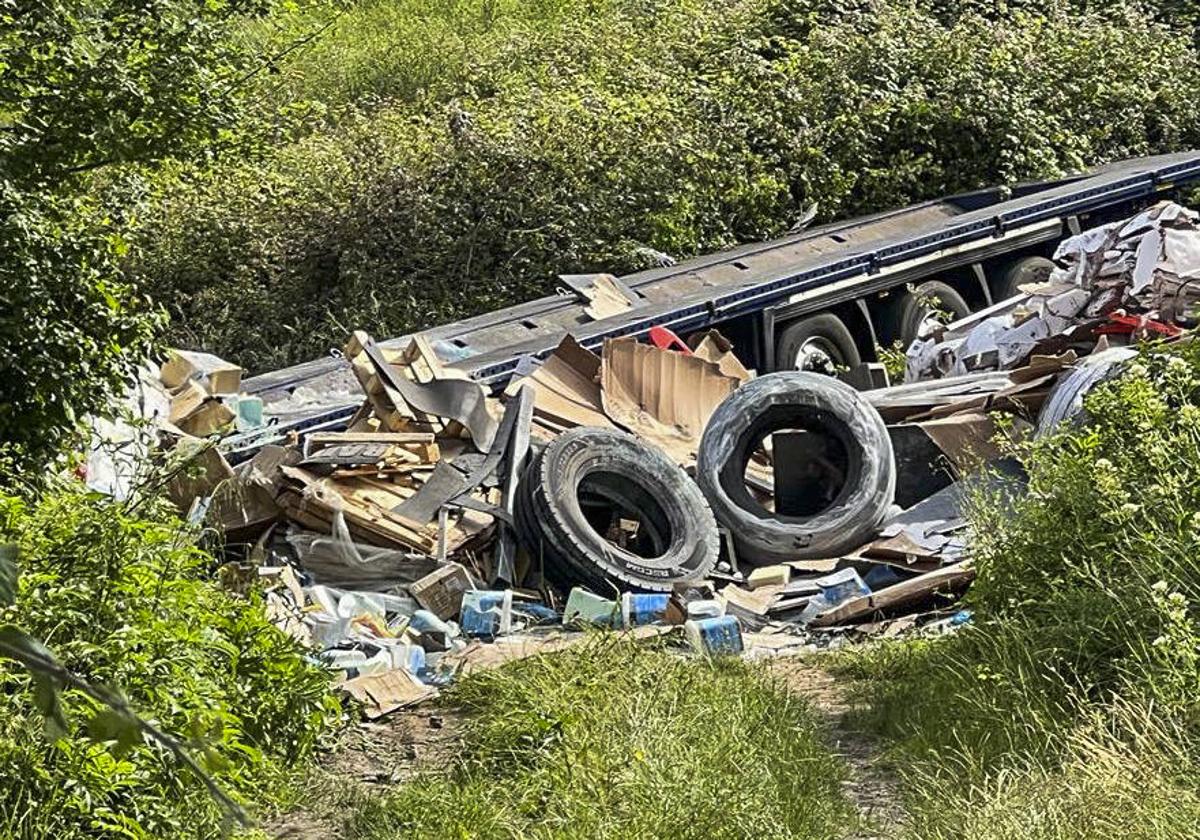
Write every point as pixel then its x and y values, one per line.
pixel 659 489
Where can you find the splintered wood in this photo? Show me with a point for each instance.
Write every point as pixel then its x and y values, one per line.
pixel 416 362
pixel 367 506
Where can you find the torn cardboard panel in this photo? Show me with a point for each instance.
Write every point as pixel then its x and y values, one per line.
pixel 606 299
pixel 756 601
pixel 245 506
pixel 966 439
pixel 210 417
pixel 198 470
pixel 381 694
pixel 604 295
pixel 663 397
pixel 716 348
pixel 566 389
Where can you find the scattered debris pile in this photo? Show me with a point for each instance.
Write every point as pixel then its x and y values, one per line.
pixel 652 486
pixel 1136 278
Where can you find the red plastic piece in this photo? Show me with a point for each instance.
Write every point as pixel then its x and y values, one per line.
pixel 664 339
pixel 1129 324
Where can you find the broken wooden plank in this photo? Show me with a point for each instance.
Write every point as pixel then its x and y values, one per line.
pixel 950 579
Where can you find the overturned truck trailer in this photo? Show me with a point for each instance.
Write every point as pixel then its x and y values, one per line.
pixel 819 299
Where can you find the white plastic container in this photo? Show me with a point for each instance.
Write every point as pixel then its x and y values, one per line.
pixel 708 608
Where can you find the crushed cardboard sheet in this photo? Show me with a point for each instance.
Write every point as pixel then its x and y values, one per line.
pixel 566 390
pixel 478 656
pixel 662 396
pixel 606 299
pixel 381 694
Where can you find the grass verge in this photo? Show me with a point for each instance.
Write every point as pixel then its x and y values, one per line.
pixel 616 740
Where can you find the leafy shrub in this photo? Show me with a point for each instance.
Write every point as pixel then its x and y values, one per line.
pixel 87 85
pixel 1119 580
pixel 568 142
pixel 71 328
pixel 124 599
pixel 1076 689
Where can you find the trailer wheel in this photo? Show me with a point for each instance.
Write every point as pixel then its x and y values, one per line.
pixel 855 497
pixel 606 510
pixel 911 309
pixel 818 344
pixel 1018 273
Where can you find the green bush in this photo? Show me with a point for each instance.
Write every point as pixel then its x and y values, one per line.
pixel 88 87
pixel 565 137
pixel 72 329
pixel 1078 686
pixel 612 740
pixel 124 599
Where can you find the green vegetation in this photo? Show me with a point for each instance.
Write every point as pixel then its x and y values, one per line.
pixel 1070 709
pixel 613 740
pixel 275 173
pixel 124 599
pixel 418 162
pixel 90 86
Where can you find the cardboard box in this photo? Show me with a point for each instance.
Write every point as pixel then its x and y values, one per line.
pixel 186 400
pixel 441 590
pixel 218 375
pixel 211 416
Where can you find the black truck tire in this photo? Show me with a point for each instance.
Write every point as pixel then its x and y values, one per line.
pixel 587 473
pixel 818 343
pixel 909 309
pixel 814 404
pixel 1019 272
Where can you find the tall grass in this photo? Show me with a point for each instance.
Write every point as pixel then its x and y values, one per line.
pixel 1070 710
pixel 615 740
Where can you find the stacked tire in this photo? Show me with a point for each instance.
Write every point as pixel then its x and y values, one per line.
pixel 614 469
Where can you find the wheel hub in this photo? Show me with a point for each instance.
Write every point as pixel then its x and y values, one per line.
pixel 817 356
